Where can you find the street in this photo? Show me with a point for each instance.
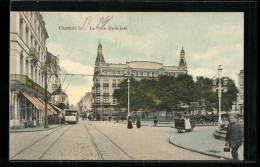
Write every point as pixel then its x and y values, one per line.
pixel 99 140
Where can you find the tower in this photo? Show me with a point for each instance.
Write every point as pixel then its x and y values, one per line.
pixel 182 62
pixel 100 58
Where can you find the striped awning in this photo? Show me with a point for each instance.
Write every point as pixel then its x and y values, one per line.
pixel 34 101
pixel 49 107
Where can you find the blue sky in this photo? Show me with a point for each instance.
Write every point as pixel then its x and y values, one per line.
pixel 209 39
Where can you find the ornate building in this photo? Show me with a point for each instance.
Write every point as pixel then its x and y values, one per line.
pixel 107 77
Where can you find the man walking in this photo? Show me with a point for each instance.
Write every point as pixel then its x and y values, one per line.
pixel 235 134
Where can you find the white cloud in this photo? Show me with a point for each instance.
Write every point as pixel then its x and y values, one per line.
pixel 201 72
pixel 76 68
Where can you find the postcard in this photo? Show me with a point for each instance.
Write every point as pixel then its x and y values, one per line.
pixel 126 86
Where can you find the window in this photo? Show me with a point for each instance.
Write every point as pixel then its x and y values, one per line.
pixel 97 99
pixel 31 41
pixel 114 100
pixel 35 45
pixel 114 81
pixel 39 77
pixel 97 89
pixel 27 36
pixel 31 17
pixel 27 70
pixel 32 72
pixel 21 28
pixel 105 89
pixel 21 63
pixel 35 75
pixel 105 99
pixel 42 82
pixel 35 24
pixel 39 33
pixel 97 81
pixel 119 81
pixel 105 80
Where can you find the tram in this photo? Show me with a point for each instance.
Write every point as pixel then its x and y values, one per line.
pixel 71 116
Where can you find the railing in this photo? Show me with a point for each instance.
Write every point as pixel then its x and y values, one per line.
pixel 97 84
pixel 33 52
pixel 23 79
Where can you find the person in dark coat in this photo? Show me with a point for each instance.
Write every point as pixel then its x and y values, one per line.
pixel 235 135
pixel 155 120
pixel 129 124
pixel 138 122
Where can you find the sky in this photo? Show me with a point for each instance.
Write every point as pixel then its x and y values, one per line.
pixel 209 39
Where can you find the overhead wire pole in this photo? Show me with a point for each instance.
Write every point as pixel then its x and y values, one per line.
pixel 46 98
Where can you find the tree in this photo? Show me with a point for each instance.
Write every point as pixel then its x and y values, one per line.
pixel 174 90
pixel 211 98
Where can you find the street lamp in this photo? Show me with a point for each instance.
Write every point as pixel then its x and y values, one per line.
pixel 219 88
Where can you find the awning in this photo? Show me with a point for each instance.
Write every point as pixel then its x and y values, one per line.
pixel 34 101
pixel 56 108
pixel 49 107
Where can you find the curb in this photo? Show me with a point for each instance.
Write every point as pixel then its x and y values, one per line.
pixel 201 152
pixel 34 130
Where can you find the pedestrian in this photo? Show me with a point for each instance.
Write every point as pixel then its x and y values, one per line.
pixel 129 124
pixel 34 121
pixel 155 120
pixel 60 119
pixel 63 119
pixel 138 122
pixel 187 123
pixel 235 135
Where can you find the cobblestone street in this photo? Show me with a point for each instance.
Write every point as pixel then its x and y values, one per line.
pixel 100 140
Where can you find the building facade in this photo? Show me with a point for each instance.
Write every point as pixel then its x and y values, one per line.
pixel 107 77
pixel 28 52
pixel 240 102
pixel 85 104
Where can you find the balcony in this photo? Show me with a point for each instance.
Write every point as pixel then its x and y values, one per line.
pixel 34 54
pixel 96 94
pixel 23 82
pixel 106 94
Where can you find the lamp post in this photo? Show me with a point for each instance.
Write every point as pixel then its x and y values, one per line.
pixel 219 88
pixel 129 124
pixel 46 98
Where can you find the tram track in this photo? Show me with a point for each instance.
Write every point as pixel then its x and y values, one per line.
pixel 105 147
pixel 37 141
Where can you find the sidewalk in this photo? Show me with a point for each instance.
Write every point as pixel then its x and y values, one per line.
pixel 202 141
pixel 32 129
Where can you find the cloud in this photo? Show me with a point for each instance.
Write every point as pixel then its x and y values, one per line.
pixel 201 72
pixel 76 68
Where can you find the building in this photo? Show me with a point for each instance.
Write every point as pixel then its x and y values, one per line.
pixel 107 77
pixel 85 103
pixel 240 102
pixel 28 52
